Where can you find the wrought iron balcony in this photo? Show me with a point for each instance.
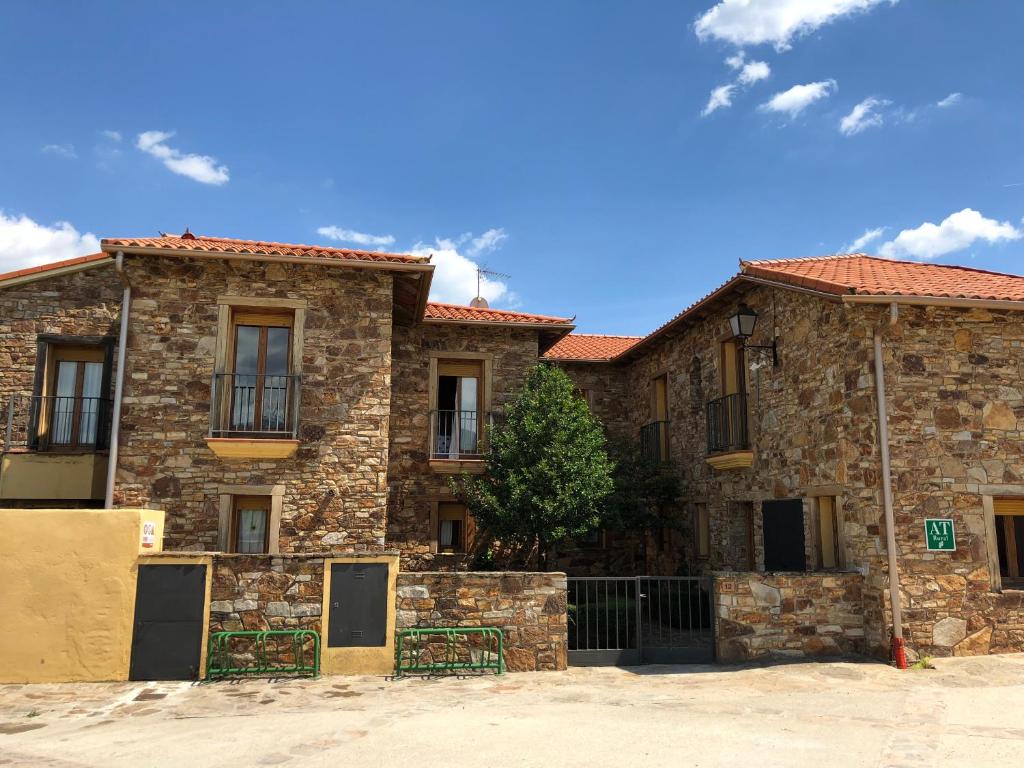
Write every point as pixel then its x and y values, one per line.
pixel 458 434
pixel 57 423
pixel 254 405
pixel 727 424
pixel 654 441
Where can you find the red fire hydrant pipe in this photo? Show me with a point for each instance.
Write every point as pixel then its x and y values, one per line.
pixel 898 652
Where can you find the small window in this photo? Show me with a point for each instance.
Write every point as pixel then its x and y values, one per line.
pixel 251 524
pixel 585 395
pixel 829 534
pixel 452 528
pixel 702 535
pixel 1009 519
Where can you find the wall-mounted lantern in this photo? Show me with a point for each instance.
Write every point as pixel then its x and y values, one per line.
pixel 742 323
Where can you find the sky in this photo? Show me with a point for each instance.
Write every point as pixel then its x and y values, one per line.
pixel 615 160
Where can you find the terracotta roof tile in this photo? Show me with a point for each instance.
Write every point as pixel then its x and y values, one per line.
pixel 590 346
pixel 459 312
pixel 255 247
pixel 54 265
pixel 860 274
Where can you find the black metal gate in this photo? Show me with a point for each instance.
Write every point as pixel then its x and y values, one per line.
pixel 628 620
pixel 170 605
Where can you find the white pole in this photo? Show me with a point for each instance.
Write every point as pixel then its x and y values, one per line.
pixel 890 521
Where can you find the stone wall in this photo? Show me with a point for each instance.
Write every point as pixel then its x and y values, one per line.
pixel 252 592
pixel 762 615
pixel 335 484
pixel 412 484
pixel 529 607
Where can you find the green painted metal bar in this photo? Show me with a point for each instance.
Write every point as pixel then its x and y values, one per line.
pixel 456 649
pixel 221 653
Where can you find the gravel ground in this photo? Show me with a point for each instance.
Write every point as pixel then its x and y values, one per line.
pixel 967 712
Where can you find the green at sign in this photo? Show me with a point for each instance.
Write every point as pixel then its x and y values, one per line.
pixel 939 535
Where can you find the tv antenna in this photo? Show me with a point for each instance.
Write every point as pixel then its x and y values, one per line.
pixel 480 301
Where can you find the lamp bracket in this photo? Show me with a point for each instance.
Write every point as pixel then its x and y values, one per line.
pixel 774 347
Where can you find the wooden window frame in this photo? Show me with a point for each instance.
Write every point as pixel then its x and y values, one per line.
pixel 1008 508
pixel 266 503
pixel 436 359
pixel 838 549
pixel 702 530
pixel 468 527
pixel 227 527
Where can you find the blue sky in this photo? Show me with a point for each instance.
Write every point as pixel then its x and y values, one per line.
pixel 569 144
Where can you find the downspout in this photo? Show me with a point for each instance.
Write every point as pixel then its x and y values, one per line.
pixel 122 343
pixel 898 651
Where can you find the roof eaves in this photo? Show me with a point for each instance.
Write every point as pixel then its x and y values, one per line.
pixel 42 271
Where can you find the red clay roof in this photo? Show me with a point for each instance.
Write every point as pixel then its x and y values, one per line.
pixel 859 274
pixel 458 313
pixel 53 265
pixel 254 247
pixel 590 346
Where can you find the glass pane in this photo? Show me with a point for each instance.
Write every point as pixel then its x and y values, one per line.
pixel 252 529
pixel 447 533
pixel 243 395
pixel 277 351
pixel 468 429
pixel 63 405
pixel 90 410
pixel 275 383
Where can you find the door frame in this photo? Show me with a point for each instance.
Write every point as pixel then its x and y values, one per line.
pixel 158 558
pixel 360 660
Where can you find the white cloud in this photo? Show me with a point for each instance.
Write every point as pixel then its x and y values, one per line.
pixel 351 236
pixel 753 22
pixel 957 231
pixel 24 243
pixel 754 71
pixel 112 135
pixel 63 150
pixel 488 241
pixel 950 101
pixel 863 116
pixel 799 97
pixel 869 236
pixel 736 60
pixel 720 97
pixel 454 279
pixel 201 168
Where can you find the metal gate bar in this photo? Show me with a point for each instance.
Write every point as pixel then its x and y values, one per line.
pixel 627 620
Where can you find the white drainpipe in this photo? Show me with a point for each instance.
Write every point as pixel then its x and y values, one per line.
pixel 890 521
pixel 122 343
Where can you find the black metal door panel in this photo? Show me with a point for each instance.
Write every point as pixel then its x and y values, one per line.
pixel 783 525
pixel 358 613
pixel 170 607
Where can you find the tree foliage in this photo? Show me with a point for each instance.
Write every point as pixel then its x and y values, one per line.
pixel 548 474
pixel 645 489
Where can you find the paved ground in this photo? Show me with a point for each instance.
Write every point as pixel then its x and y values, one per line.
pixel 968 712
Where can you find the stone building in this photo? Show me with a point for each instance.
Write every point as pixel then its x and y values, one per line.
pixel 302 401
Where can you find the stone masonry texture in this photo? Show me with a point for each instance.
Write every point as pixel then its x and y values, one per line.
pixel 788 615
pixel 530 609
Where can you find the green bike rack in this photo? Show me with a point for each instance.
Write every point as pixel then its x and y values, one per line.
pixel 222 657
pixel 418 650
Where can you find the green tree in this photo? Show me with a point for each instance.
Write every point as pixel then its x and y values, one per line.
pixel 547 473
pixel 645 489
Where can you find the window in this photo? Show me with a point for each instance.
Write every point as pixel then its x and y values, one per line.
pixel 585 396
pixel 1009 520
pixel 732 368
pixel 452 528
pixel 829 534
pixel 260 383
pixel 727 414
pixel 459 414
pixel 69 407
pixel 250 524
pixel 654 435
pixel 702 535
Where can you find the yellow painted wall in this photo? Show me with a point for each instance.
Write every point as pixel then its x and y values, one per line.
pixel 67 591
pixel 53 475
pixel 379 660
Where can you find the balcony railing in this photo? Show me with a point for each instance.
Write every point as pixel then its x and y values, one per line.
pixel 57 423
pixel 727 424
pixel 654 441
pixel 254 405
pixel 458 434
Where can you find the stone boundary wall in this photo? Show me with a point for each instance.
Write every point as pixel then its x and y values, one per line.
pixel 760 615
pixel 266 592
pixel 529 607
